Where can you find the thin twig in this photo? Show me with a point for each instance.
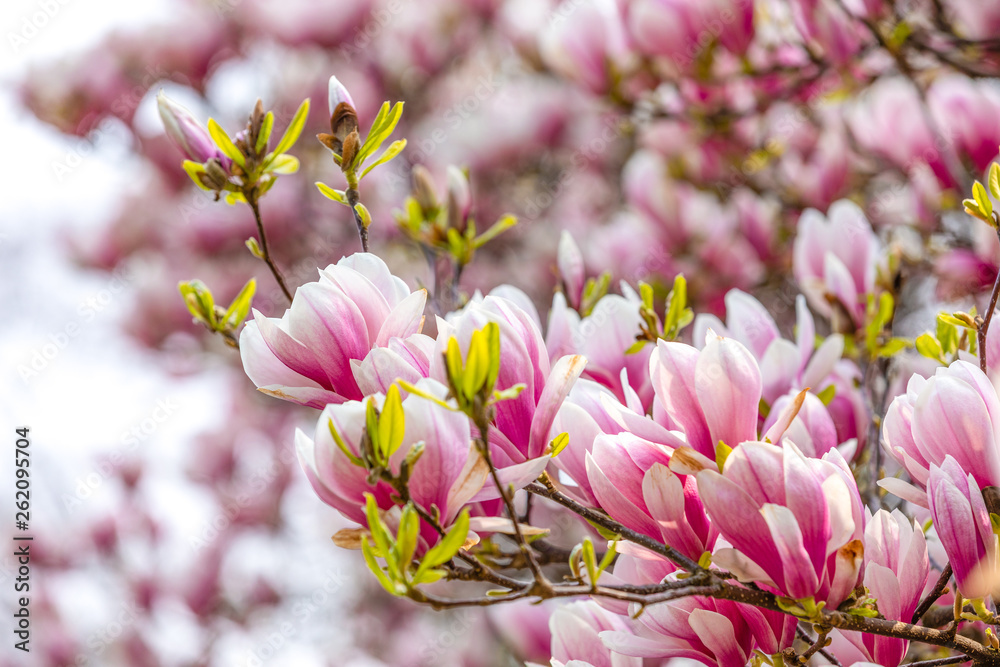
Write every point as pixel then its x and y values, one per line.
pixel 985 326
pixel 604 521
pixel 255 207
pixel 932 597
pixel 353 199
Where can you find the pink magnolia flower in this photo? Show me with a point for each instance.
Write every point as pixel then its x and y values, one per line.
pixel 603 337
pixel 632 483
pixel 963 524
pixel 681 30
pixel 585 41
pixel 836 257
pixel 812 430
pixel 571 269
pixel 592 410
pixel 306 355
pixel 969 112
pixel 784 365
pixel 446 475
pixel 794 523
pixel 955 413
pixel 577 632
pixel 710 631
pixel 824 23
pixel 896 573
pixel 712 395
pixel 406 359
pixel 522 424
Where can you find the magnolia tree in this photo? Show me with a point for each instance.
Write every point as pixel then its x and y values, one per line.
pixel 716 480
pixel 757 423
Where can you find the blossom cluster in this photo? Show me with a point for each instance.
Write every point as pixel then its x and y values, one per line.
pixel 792 169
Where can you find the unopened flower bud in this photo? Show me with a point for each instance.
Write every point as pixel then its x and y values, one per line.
pixel 459 198
pixel 423 190
pixel 185 131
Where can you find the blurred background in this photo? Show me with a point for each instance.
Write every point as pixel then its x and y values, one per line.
pixel 171 523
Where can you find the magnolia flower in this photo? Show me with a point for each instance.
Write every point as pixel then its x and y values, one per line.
pixel 592 410
pixel 448 475
pixel 577 632
pixel 784 365
pixel 962 522
pixel 712 631
pixel 306 355
pixel 604 338
pixel 794 523
pixel 187 133
pixel 896 572
pixel 522 424
pixel 812 430
pixel 712 395
pixel 836 258
pixel 571 269
pixel 584 41
pixel 632 483
pixel 955 413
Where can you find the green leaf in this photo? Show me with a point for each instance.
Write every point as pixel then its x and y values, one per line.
pixel 366 550
pixel 238 309
pixel 979 194
pixel 265 132
pixel 294 129
pixel 371 426
pixel 194 169
pixel 330 193
pixel 827 395
pixel 224 143
pixel 609 557
pixel 558 444
pixel 283 164
pixel 636 347
pixel 366 217
pixel 391 425
pixel 477 364
pixel 929 347
pixel 498 228
pixel 646 294
pixel 406 537
pixel 251 244
pixel 383 539
pixel 409 388
pixel 448 546
pixel 430 576
pixel 947 336
pixel 394 149
pixel 894 346
pixel 994 180
pixel 492 330
pixel 453 364
pixel 972 208
pixel 351 456
pixel 678 314
pixel 381 129
pixel 589 560
pixel 199 301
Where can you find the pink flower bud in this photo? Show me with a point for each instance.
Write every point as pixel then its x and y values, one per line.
pixel 185 131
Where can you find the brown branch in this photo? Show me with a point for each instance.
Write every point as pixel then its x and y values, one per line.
pixel 987 319
pixel 546 490
pixel 932 597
